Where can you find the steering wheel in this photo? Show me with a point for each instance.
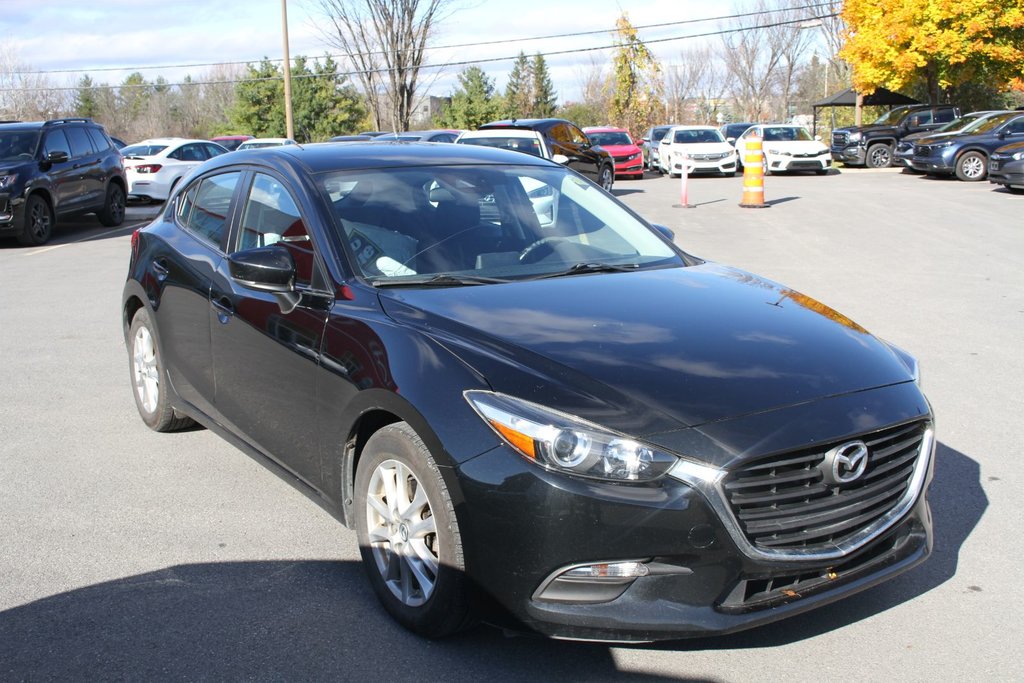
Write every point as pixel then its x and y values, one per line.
pixel 533 249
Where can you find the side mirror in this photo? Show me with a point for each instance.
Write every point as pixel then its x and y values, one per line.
pixel 665 231
pixel 560 159
pixel 817 138
pixel 267 269
pixel 731 141
pixel 57 157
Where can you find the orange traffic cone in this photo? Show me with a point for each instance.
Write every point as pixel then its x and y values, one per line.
pixel 753 175
pixel 684 202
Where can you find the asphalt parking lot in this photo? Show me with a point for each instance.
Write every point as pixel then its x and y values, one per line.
pixel 132 555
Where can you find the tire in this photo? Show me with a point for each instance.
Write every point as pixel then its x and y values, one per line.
pixel 411 546
pixel 878 156
pixel 38 222
pixel 112 213
pixel 149 380
pixel 606 178
pixel 822 171
pixel 971 167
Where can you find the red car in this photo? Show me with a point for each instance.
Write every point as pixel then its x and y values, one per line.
pixel 231 142
pixel 629 160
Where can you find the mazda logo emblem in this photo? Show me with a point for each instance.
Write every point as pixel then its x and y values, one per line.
pixel 845 463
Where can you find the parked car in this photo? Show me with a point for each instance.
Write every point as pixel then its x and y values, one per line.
pixel 966 154
pixel 231 142
pixel 118 142
pixel 576 428
pixel 649 146
pixel 259 143
pixel 704 147
pixel 376 133
pixel 566 139
pixel 1006 167
pixel 525 141
pixel 874 145
pixel 629 160
pixel 153 167
pixel 443 135
pixel 56 169
pixel 732 131
pixel 905 148
pixel 786 147
pixel 351 138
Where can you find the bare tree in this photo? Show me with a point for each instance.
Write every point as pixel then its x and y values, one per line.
pixel 25 95
pixel 753 56
pixel 384 41
pixel 695 87
pixel 795 39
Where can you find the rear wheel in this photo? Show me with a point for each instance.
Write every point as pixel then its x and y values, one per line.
pixel 970 167
pixel 112 213
pixel 879 156
pixel 38 222
pixel 149 381
pixel 606 177
pixel 408 535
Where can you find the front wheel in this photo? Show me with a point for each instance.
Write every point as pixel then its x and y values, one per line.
pixel 408 535
pixel 970 167
pixel 879 156
pixel 38 222
pixel 605 178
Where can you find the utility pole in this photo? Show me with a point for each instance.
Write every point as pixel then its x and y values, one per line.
pixel 288 124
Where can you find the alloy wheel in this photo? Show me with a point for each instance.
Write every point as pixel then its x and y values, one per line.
pixel 145 371
pixel 402 533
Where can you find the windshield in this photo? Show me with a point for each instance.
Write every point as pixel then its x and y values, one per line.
pixel 994 122
pixel 962 123
pixel 229 144
pixel 454 225
pixel 617 138
pixel 659 133
pixel 785 134
pixel 527 145
pixel 697 136
pixel 142 150
pixel 19 145
pixel 891 118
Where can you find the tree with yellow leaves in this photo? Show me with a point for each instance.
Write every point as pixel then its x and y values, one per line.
pixel 636 80
pixel 947 43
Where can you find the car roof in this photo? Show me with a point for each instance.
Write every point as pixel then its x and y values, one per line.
pixel 326 156
pixel 604 129
pixel 531 124
pixel 694 128
pixel 501 132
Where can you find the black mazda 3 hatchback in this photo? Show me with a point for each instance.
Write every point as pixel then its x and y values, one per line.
pixel 530 405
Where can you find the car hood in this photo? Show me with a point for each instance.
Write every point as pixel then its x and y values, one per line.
pixel 652 350
pixel 620 150
pixel 867 129
pixel 701 147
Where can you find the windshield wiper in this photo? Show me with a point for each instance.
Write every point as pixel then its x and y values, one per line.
pixel 439 280
pixel 580 268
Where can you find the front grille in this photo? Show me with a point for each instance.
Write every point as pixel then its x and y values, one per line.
pixel 783 503
pixel 621 157
pixel 840 139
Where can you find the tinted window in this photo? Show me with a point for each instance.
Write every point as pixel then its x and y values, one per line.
pixel 271 217
pixel 142 150
pixel 188 153
pixel 1016 126
pixel 577 135
pixel 18 145
pixel 560 133
pixel 207 216
pixel 944 115
pixel 99 140
pixel 527 145
pixel 81 145
pixel 213 150
pixel 56 141
pixel 610 138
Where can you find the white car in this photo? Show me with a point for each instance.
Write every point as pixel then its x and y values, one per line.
pixel 788 147
pixel 704 148
pixel 257 143
pixel 153 167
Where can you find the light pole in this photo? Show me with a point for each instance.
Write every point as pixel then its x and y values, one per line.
pixel 288 124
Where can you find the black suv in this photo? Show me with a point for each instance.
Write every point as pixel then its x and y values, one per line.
pixel 55 169
pixel 873 145
pixel 567 140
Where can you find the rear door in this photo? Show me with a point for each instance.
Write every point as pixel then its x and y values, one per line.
pixel 65 181
pixel 87 161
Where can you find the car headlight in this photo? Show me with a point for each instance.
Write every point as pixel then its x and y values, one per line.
pixel 632 156
pixel 1017 156
pixel 854 137
pixel 947 143
pixel 7 180
pixel 561 442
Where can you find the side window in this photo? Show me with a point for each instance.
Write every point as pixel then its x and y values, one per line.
pixel 81 145
pixel 191 153
pixel 270 217
pixel 560 134
pixel 944 116
pixel 185 203
pixel 212 151
pixel 578 136
pixel 1016 126
pixel 99 140
pixel 56 141
pixel 208 211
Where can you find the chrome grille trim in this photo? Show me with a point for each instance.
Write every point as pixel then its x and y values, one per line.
pixel 711 483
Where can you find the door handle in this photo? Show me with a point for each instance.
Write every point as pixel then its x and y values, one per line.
pixel 225 309
pixel 161 269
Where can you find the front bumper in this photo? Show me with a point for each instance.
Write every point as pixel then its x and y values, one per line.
pixel 523 525
pixel 631 167
pixel 851 154
pixel 782 163
pixel 696 165
pixel 1010 173
pixel 12 212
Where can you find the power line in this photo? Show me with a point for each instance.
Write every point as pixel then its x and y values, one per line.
pixel 468 62
pixel 438 47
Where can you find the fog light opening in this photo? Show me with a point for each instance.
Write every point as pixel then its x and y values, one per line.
pixel 615 571
pixel 591 583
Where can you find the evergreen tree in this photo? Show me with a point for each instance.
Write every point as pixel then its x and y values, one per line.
pixel 474 103
pixel 519 91
pixel 544 97
pixel 86 103
pixel 259 101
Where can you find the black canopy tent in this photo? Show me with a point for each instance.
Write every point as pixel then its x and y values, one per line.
pixel 848 98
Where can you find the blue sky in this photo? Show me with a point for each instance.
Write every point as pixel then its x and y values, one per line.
pixel 129 35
